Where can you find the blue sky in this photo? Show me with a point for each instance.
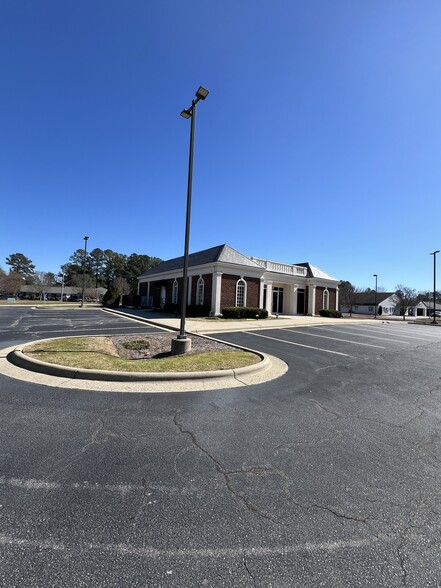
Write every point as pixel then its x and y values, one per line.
pixel 320 139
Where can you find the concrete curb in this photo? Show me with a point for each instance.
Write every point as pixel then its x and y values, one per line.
pixel 19 359
pixel 142 319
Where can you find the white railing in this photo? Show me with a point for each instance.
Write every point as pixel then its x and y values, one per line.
pixel 282 268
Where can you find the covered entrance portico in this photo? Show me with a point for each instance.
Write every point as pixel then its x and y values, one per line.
pixel 280 298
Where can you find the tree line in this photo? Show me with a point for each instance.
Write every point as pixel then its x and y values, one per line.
pixel 100 268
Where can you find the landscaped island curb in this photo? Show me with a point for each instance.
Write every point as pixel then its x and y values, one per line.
pixel 20 359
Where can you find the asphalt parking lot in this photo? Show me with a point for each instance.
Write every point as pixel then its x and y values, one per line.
pixel 328 476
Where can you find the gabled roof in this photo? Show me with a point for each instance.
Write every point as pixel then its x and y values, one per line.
pixel 368 298
pixel 315 272
pixel 429 304
pixel 221 253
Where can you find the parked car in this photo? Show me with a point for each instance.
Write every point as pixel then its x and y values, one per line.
pixel 436 313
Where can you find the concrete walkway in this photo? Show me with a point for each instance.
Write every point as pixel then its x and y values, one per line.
pixel 210 326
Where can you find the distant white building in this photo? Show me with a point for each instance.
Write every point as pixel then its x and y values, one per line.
pixel 365 304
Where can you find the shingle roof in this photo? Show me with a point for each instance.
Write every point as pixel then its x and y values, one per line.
pixel 315 272
pixel 223 253
pixel 368 298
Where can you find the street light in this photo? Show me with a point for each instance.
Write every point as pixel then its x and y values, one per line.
pixel 182 344
pixel 434 286
pixel 84 270
pixel 376 281
pixel 62 285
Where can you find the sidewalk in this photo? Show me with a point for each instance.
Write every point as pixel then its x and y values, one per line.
pixel 208 326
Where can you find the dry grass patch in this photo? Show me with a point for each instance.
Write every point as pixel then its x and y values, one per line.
pixel 128 354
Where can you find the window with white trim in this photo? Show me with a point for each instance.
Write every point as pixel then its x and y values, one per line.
pixel 200 291
pixel 241 289
pixel 325 299
pixel 175 289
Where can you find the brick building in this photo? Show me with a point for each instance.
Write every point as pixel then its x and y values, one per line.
pixel 222 277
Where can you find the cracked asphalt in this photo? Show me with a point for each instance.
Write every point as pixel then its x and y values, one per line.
pixel 328 476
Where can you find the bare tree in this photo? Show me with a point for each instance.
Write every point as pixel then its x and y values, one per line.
pixel 405 298
pixel 348 295
pixel 11 283
pixel 43 281
pixel 123 286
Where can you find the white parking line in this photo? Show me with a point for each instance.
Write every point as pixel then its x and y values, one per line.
pixel 298 344
pixel 334 338
pixel 392 330
pixel 341 329
pixel 391 333
pixel 196 553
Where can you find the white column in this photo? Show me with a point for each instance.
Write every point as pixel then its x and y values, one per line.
pixel 294 300
pixel 336 298
pixel 311 301
pixel 189 290
pixel 216 293
pixel 261 290
pixel 269 297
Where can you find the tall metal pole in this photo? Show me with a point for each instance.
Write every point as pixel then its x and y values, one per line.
pixel 376 281
pixel 187 223
pixel 62 286
pixel 182 343
pixel 84 270
pixel 434 286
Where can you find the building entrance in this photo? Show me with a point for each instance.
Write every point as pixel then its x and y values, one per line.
pixel 301 301
pixel 277 300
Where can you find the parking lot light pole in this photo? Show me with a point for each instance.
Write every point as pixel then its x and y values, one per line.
pixel 84 270
pixel 62 285
pixel 182 343
pixel 434 286
pixel 376 283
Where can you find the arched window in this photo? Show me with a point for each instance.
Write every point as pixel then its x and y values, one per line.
pixel 241 293
pixel 175 292
pixel 200 291
pixel 325 299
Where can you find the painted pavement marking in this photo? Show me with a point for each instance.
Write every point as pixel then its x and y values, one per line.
pixel 298 344
pixel 334 338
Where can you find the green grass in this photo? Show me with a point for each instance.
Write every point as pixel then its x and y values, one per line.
pixel 98 353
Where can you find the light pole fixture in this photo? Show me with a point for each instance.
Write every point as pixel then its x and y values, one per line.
pixel 182 343
pixel 84 270
pixel 62 285
pixel 376 285
pixel 434 286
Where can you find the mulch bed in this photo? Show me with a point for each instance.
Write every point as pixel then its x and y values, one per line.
pixel 159 345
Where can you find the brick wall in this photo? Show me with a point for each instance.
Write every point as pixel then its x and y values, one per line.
pixel 228 293
pixel 319 299
pixel 332 298
pixel 208 284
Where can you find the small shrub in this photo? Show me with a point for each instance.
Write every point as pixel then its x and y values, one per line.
pixel 238 312
pixel 331 313
pixel 136 345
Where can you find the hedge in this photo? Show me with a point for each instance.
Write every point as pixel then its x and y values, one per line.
pixel 237 312
pixel 331 313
